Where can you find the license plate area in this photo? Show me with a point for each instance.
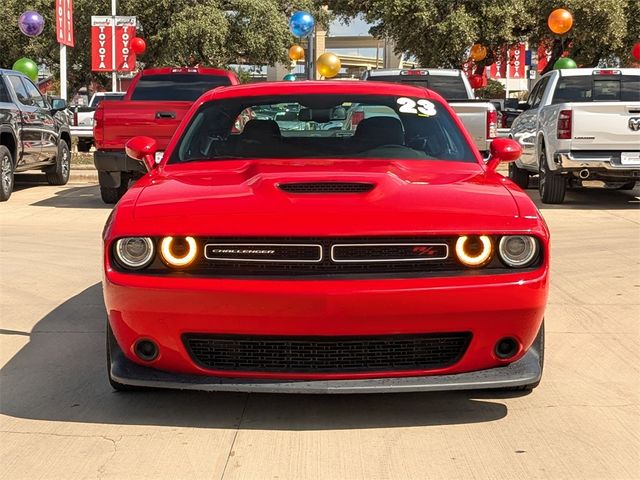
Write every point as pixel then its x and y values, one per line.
pixel 630 158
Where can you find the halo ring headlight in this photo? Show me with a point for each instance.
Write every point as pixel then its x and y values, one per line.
pixel 518 251
pixel 169 256
pixel 134 253
pixel 477 258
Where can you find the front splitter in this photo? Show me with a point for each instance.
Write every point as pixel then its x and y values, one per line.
pixel 526 371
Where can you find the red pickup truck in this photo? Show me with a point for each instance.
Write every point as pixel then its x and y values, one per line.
pixel 154 105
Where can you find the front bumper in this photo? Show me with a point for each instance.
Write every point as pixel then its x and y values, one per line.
pixel 526 371
pixel 606 162
pixel 163 309
pixel 81 132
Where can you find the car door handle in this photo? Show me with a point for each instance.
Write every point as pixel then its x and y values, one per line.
pixel 165 114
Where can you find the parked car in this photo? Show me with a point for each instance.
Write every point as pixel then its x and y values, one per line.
pixel 154 105
pixel 389 258
pixel 34 135
pixel 82 121
pixel 479 117
pixel 580 124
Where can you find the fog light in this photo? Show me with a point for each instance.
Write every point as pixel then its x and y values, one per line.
pixel 518 251
pixel 178 252
pixel 474 251
pixel 506 348
pixel 146 350
pixel 134 252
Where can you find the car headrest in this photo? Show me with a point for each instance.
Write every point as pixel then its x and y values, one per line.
pixel 261 129
pixel 381 131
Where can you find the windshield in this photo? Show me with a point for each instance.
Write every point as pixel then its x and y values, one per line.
pixel 323 126
pixel 95 101
pixel 598 88
pixel 450 87
pixel 176 86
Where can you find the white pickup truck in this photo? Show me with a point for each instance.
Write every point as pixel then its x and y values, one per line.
pixel 580 124
pixel 82 123
pixel 479 117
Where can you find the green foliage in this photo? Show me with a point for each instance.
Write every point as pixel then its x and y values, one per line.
pixel 494 89
pixel 439 32
pixel 177 32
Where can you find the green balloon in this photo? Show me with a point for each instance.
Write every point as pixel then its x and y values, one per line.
pixel 28 67
pixel 289 77
pixel 564 62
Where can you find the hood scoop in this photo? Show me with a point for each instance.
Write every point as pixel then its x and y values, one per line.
pixel 326 187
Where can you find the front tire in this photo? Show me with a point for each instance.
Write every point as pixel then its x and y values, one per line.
pixel 6 174
pixel 518 175
pixel 58 174
pixel 552 186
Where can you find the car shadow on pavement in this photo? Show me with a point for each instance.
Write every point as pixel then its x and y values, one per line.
pixel 590 198
pixel 60 375
pixel 74 197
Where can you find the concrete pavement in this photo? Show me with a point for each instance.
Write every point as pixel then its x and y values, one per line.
pixel 61 420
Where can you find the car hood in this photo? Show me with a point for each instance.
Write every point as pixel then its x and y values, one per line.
pixel 245 198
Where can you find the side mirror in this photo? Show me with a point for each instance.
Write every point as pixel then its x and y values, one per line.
pixel 58 104
pixel 503 150
pixel 143 149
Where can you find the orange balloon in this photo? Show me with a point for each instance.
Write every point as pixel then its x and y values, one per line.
pixel 560 21
pixel 328 65
pixel 296 52
pixel 478 52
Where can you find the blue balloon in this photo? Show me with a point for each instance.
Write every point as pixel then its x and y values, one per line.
pixel 301 24
pixel 289 77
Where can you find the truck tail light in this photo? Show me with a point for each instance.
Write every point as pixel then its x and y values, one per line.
pixel 356 118
pixel 98 126
pixel 564 125
pixel 492 124
pixel 75 117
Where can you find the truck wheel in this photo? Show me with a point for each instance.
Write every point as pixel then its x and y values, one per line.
pixel 84 146
pixel 552 186
pixel 111 195
pixel 518 175
pixel 6 174
pixel 58 174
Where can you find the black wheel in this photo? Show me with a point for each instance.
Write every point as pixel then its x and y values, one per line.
pixel 58 174
pixel 6 174
pixel 84 146
pixel 538 343
pixel 518 175
pixel 120 387
pixel 552 186
pixel 627 186
pixel 112 195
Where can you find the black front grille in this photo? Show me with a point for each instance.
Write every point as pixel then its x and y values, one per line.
pixel 351 354
pixel 327 187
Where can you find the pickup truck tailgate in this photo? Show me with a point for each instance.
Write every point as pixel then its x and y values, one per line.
pixel 604 126
pixel 130 118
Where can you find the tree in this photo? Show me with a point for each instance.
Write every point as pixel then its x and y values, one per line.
pixel 439 32
pixel 494 89
pixel 178 32
pixel 603 30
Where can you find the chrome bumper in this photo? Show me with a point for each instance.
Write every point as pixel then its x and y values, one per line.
pixel 601 161
pixel 81 132
pixel 525 371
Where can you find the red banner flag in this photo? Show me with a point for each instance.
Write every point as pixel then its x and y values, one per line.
pixel 64 22
pixel 102 29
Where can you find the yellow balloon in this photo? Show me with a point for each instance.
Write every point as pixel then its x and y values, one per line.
pixel 328 65
pixel 478 52
pixel 296 52
pixel 560 21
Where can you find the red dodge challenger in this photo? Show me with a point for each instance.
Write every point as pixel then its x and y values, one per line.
pixel 348 237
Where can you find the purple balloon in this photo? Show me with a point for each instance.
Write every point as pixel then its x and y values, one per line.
pixel 31 23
